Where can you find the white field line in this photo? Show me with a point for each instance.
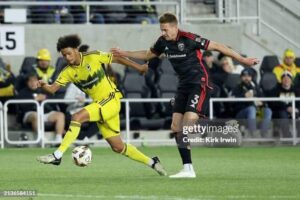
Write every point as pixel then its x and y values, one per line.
pixel 152 197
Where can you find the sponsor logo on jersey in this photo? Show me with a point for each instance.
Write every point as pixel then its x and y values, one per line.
pixel 92 80
pixel 175 55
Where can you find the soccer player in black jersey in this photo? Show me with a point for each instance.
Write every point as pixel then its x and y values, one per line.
pixel 192 97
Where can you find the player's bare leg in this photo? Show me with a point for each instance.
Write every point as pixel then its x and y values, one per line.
pixel 132 152
pixel 71 135
pixel 178 121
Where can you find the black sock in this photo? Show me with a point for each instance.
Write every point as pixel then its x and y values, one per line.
pixel 184 149
pixel 185 154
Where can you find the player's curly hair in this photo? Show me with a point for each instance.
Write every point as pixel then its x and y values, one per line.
pixel 72 41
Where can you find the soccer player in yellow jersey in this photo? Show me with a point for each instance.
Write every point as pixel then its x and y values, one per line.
pixel 86 72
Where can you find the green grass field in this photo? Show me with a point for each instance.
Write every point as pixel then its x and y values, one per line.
pixel 223 173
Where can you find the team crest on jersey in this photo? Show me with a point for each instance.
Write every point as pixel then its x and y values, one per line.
pixel 203 42
pixel 88 67
pixel 181 46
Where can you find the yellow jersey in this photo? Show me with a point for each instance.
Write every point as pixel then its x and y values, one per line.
pixel 90 75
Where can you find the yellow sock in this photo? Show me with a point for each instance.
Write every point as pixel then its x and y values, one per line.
pixel 133 153
pixel 70 136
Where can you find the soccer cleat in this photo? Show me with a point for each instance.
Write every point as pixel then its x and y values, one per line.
pixel 49 159
pixel 184 174
pixel 158 167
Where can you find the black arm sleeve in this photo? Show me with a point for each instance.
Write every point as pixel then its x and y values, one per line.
pixel 200 42
pixel 158 47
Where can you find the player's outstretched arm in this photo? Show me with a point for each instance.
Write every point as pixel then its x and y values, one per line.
pixel 214 46
pixel 142 55
pixel 48 88
pixel 127 62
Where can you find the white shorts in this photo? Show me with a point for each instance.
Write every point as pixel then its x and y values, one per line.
pixel 46 116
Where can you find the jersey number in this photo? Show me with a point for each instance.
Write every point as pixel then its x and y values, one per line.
pixel 194 101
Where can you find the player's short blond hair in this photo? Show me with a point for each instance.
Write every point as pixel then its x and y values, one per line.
pixel 168 18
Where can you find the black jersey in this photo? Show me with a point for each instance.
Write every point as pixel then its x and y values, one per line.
pixel 185 56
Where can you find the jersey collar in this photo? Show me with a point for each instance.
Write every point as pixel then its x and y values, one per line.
pixel 178 34
pixel 81 59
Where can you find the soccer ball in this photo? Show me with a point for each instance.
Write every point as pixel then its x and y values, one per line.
pixel 82 156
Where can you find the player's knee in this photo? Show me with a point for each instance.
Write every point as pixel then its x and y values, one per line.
pixel 77 118
pixel 175 127
pixel 117 148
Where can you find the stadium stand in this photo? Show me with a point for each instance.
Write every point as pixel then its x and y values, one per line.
pixel 268 82
pixel 166 67
pixel 297 61
pixel 60 64
pixel 268 63
pixel 28 65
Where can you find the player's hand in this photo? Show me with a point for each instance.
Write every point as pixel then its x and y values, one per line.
pixel 117 52
pixel 250 61
pixel 144 69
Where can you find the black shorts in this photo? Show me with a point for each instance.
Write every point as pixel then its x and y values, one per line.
pixel 192 99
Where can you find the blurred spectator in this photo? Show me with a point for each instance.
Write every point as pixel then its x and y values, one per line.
pixel 28 113
pixel 283 110
pixel 50 13
pixel 113 14
pixel 215 72
pixel 110 14
pixel 96 16
pixel 228 66
pixel 219 76
pixel 78 12
pixel 288 64
pixel 44 70
pixel 7 79
pixel 142 14
pixel 209 62
pixel 248 110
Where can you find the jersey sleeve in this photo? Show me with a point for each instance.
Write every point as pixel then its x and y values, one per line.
pixel 158 47
pixel 105 57
pixel 63 78
pixel 200 42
